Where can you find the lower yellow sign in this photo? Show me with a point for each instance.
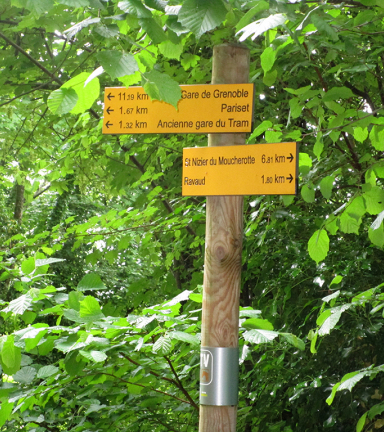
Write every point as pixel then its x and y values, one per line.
pixel 261 169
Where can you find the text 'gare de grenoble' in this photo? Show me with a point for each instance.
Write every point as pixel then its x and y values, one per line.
pixel 216 94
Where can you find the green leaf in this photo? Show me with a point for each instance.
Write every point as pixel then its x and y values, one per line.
pixel 262 25
pixel 326 186
pixel 5 411
pixel 72 31
pixel 153 29
pixel 360 424
pixel 162 346
pixel 376 410
pixel 349 223
pixel 336 93
pixel 25 375
pixel 288 199
pixel 313 343
pixel 117 64
pixel 10 356
pixel 374 200
pixel 185 337
pixel 293 340
pixel 377 137
pixel 299 91
pixel 330 322
pixel 296 107
pixel 268 57
pixel 135 8
pixel 305 162
pixel 19 305
pixel 37 7
pixel 28 266
pixel 319 146
pixel 360 134
pixel 62 101
pixel 74 3
pixel 198 298
pixel 257 323
pixel 323 316
pixel 201 16
pixel 96 356
pixel 91 282
pixel 46 261
pixel 377 222
pixel 260 336
pixel 334 295
pixel 318 245
pixel 308 194
pixel 324 27
pixel 331 397
pixel 47 371
pixel 377 236
pixel 161 87
pixel 336 280
pixel 87 94
pixel 74 299
pixel 72 366
pixel 189 60
pixel 171 50
pixel 90 309
pixel 269 79
pixel 272 136
pixel 350 380
pixel 265 125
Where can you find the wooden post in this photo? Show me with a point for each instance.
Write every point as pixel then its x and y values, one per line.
pixel 224 232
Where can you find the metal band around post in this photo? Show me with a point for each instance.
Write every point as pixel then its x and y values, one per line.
pixel 219 376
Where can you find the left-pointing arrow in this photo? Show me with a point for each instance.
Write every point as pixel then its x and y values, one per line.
pixel 108 124
pixel 290 178
pixel 110 96
pixel 109 110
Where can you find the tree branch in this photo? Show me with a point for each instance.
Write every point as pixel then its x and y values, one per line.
pixel 29 57
pixel 141 385
pixel 180 384
pixel 151 372
pixel 40 66
pixel 33 130
pixel 355 158
pixel 166 204
pixel 362 94
pixel 41 191
pixel 23 94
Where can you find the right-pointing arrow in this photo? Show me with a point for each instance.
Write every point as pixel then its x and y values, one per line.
pixel 290 157
pixel 290 178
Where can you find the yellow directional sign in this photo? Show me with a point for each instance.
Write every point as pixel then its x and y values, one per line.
pixel 207 108
pixel 261 169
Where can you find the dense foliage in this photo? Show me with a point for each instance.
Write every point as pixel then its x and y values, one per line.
pixel 101 257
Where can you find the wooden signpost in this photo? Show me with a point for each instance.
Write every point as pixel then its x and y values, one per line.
pixel 223 171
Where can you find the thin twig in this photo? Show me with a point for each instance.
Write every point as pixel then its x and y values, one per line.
pixel 23 94
pixel 140 385
pixel 181 387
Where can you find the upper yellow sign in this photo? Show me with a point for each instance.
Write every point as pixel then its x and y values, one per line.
pixel 207 108
pixel 261 169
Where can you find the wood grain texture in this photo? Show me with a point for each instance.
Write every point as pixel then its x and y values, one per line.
pixel 223 246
